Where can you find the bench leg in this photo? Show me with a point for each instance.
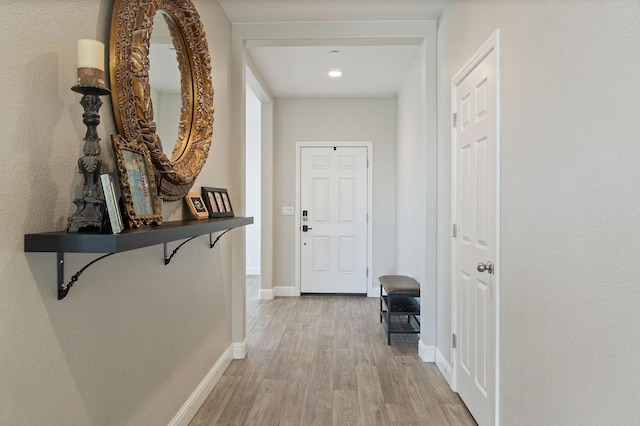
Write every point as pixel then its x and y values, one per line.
pixel 380 302
pixel 389 320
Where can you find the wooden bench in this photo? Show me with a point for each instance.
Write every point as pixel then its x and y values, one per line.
pixel 399 297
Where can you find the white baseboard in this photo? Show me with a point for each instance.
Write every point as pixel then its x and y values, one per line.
pixel 284 291
pixel 266 294
pixel 239 349
pixel 427 352
pixel 444 366
pixel 202 391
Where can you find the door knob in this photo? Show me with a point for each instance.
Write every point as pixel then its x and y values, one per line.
pixel 305 228
pixel 485 267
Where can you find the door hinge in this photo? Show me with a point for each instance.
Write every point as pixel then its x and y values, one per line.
pixel 453 340
pixel 367 163
pixel 454 231
pixel 454 119
pixel 367 272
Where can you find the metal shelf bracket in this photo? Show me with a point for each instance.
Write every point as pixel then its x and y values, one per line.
pixel 212 243
pixel 63 289
pixel 167 258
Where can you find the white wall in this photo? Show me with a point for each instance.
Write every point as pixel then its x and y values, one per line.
pixel 415 187
pixel 257 85
pixel 570 333
pixel 133 338
pixel 253 181
pixel 411 159
pixel 335 119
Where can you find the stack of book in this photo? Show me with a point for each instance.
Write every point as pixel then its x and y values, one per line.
pixel 113 208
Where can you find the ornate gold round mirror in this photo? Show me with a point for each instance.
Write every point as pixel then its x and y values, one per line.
pixel 131 92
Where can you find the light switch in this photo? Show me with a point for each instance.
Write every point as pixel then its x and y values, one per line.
pixel 287 211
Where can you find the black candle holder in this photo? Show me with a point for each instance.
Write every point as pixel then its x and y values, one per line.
pixel 90 212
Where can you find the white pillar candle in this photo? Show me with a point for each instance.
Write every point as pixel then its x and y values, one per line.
pixel 90 62
pixel 90 54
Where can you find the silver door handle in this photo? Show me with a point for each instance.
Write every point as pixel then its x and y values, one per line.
pixel 485 267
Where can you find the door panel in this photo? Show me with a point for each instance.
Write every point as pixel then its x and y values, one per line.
pixel 465 323
pixel 320 255
pixel 346 200
pixel 320 198
pixel 333 191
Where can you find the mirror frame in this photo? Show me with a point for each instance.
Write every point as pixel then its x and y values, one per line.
pixel 131 27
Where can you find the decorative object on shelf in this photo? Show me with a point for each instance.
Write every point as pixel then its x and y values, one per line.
pixel 131 29
pixel 111 201
pixel 89 215
pixel 196 205
pixel 217 201
pixel 137 183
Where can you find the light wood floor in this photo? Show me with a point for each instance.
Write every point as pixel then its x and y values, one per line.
pixel 317 360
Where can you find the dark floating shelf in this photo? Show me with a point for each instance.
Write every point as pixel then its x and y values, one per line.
pixel 129 239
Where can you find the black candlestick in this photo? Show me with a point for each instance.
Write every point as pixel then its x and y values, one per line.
pixel 89 215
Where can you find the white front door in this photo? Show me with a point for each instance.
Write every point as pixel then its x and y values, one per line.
pixel 475 142
pixel 333 219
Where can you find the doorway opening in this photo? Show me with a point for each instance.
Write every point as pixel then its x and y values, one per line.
pixel 258 129
pixel 253 201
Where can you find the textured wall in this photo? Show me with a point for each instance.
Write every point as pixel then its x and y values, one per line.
pixel 415 189
pixel 411 159
pixel 133 338
pixel 345 119
pixel 570 201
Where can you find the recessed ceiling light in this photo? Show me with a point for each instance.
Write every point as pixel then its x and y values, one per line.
pixel 335 73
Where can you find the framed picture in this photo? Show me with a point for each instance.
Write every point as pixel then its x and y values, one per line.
pixel 140 200
pixel 217 202
pixel 196 205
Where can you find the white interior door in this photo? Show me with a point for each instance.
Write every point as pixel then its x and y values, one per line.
pixel 475 136
pixel 333 209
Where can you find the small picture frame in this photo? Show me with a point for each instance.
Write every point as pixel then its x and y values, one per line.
pixel 217 202
pixel 140 200
pixel 196 205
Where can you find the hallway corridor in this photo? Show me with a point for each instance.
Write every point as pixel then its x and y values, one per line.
pixel 320 360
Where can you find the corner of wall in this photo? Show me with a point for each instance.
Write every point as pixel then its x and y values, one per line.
pixel 426 352
pixel 444 366
pixel 202 391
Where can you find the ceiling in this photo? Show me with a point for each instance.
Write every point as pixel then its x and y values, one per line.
pixel 369 68
pixel 302 71
pixel 331 10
